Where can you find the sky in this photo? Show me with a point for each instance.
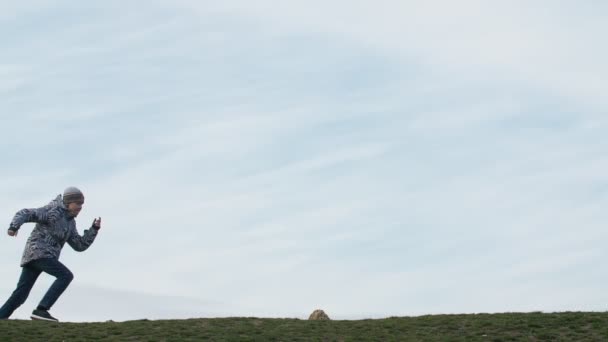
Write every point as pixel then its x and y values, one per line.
pixel 269 158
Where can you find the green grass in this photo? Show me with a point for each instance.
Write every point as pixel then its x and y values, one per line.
pixel 566 326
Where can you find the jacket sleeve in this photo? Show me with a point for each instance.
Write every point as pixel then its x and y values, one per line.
pixel 81 243
pixel 44 215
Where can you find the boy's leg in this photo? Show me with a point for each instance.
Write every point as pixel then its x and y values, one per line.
pixel 24 286
pixel 64 278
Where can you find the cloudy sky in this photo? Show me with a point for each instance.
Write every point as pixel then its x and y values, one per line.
pixel 268 158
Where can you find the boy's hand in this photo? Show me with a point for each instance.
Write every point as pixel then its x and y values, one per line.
pixel 97 223
pixel 12 232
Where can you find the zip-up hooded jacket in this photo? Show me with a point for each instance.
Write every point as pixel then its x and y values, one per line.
pixel 54 227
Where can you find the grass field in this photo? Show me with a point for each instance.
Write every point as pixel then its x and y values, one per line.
pixel 567 326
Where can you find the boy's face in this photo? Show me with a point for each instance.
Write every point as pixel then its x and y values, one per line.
pixel 74 208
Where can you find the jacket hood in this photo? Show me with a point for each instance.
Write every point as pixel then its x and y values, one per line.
pixel 57 202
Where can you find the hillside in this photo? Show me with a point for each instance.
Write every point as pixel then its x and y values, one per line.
pixel 567 326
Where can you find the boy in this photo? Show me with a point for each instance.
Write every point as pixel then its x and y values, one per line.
pixel 55 225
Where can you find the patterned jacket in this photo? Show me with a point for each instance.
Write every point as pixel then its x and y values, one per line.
pixel 54 227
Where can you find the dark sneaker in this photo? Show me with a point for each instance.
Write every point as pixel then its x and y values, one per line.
pixel 43 315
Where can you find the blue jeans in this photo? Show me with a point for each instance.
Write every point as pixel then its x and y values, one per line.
pixel 29 274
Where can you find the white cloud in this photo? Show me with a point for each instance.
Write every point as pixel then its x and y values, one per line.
pixel 551 47
pixel 237 164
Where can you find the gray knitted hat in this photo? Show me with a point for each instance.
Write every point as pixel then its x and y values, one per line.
pixel 72 194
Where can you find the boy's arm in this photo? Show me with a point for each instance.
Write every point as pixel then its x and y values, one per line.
pixel 39 215
pixel 81 243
